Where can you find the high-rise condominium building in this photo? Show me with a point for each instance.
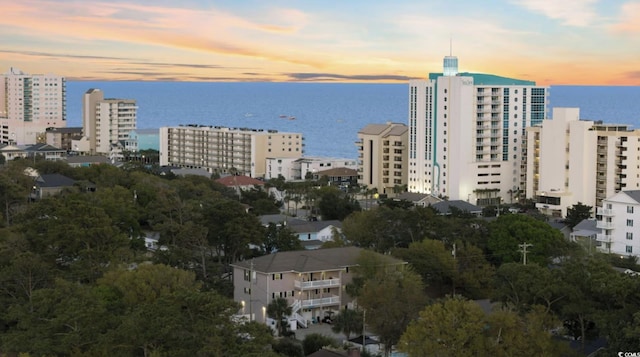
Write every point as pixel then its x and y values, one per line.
pixel 382 157
pixel 106 121
pixel 226 150
pixel 466 133
pixel 29 104
pixel 571 160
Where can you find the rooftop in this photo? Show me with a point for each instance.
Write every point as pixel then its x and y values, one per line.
pixel 377 129
pixel 488 79
pixel 306 260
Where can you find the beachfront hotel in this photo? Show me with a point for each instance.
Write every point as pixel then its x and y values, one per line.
pixel 466 133
pixel 219 149
pixel 382 157
pixel 29 104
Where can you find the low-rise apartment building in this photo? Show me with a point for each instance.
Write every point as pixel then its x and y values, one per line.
pixel 312 281
pixel 382 156
pixel 619 221
pixel 226 150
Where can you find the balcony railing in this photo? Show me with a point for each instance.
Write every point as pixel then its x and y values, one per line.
pixel 604 225
pixel 604 211
pixel 603 238
pixel 316 284
pixel 311 303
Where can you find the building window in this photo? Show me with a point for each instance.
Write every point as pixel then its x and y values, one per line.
pixel 629 235
pixel 247 290
pixel 629 249
pixel 247 275
pixel 276 276
pixel 629 222
pixel 629 209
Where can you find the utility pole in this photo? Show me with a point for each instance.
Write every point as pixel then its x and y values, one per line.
pixel 251 292
pixel 364 336
pixel 523 250
pixel 455 267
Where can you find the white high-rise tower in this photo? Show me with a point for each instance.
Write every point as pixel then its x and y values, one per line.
pixel 466 133
pixel 29 104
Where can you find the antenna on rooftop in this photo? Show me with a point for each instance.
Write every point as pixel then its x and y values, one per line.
pixel 450 61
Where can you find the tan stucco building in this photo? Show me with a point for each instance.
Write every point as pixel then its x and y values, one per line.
pixel 382 156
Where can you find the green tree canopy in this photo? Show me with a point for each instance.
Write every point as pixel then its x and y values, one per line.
pixel 577 213
pixel 508 232
pixel 433 261
pixel 522 286
pixel 391 301
pixel 459 327
pixel 347 321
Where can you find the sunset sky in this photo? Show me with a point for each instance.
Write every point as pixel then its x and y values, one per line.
pixel 548 41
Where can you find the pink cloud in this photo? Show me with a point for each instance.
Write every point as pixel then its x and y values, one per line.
pixel 209 30
pixel 629 19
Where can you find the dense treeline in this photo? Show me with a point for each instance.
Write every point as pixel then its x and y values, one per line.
pixel 77 279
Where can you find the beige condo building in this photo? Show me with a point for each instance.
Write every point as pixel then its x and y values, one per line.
pixel 382 156
pixel 29 104
pixel 571 160
pixel 105 122
pixel 226 150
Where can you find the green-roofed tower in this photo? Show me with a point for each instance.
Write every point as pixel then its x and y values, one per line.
pixel 466 133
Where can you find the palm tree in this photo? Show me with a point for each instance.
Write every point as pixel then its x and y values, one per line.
pixel 278 309
pixel 347 321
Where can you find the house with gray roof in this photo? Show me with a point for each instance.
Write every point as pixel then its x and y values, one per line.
pixel 317 232
pixel 586 233
pixel 312 282
pixel 46 151
pixel 50 184
pixel 445 207
pixel 418 199
pixel 312 234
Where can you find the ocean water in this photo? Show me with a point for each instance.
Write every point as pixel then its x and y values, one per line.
pixel 329 115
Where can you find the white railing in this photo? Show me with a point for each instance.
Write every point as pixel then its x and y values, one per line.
pixel 316 284
pixel 295 307
pixel 604 211
pixel 604 225
pixel 334 300
pixel 300 319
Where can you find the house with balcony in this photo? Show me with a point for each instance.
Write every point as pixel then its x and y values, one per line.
pixel 312 281
pixel 619 222
pixel 40 151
